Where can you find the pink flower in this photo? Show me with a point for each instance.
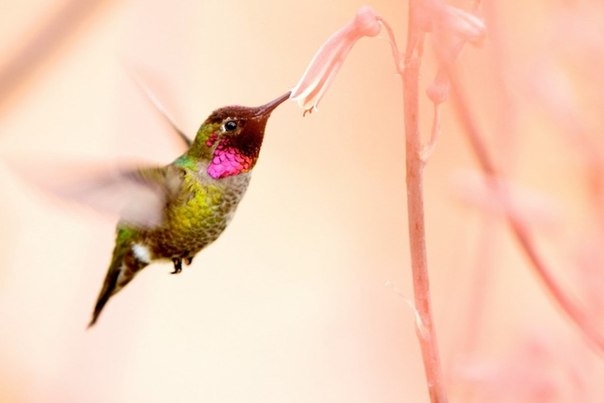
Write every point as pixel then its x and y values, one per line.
pixel 453 27
pixel 463 24
pixel 327 61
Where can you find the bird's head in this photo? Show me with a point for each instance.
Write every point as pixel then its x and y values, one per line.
pixel 232 136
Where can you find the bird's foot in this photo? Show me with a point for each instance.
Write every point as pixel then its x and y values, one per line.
pixel 178 262
pixel 177 265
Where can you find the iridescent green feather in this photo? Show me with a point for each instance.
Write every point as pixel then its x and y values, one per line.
pixel 199 149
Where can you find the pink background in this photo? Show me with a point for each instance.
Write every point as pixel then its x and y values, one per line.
pixel 303 298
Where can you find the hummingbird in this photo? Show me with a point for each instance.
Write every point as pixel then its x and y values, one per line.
pixel 188 203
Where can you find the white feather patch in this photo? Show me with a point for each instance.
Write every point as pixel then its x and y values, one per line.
pixel 142 253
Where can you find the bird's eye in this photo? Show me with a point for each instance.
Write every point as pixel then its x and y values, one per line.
pixel 230 125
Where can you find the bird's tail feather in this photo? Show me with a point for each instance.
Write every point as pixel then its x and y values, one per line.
pixel 122 269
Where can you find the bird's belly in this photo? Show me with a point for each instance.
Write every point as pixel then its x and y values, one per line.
pixel 187 234
pixel 195 221
pixel 188 243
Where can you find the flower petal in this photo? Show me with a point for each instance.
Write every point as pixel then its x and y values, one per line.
pixel 330 57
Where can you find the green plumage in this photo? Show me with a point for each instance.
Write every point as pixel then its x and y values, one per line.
pixel 190 201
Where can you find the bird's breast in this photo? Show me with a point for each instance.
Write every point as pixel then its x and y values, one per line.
pixel 198 214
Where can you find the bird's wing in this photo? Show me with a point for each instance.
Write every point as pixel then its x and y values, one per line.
pixel 159 108
pixel 137 195
pixel 149 190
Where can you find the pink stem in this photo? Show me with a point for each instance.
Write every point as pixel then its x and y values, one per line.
pixel 568 305
pixel 415 207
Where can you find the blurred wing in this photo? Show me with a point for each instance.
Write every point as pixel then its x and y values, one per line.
pixel 159 108
pixel 150 189
pixel 126 193
pixel 137 195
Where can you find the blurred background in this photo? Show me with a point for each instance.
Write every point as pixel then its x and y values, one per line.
pixel 304 297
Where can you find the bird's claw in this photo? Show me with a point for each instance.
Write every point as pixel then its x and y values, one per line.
pixel 177 265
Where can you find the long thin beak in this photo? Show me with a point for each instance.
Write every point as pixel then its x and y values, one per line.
pixel 269 107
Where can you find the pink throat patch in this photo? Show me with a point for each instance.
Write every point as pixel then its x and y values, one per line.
pixel 228 162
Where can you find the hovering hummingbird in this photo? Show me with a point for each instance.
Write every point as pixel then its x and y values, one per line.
pixel 188 203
